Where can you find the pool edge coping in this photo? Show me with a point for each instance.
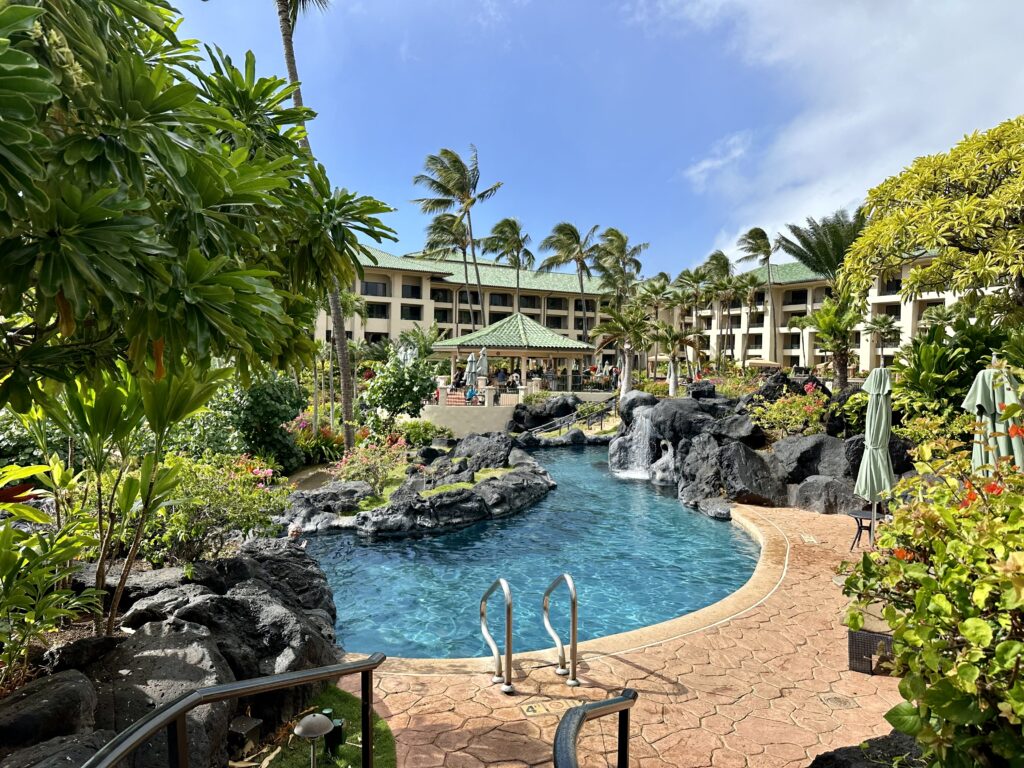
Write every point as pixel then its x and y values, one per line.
pixel 768 575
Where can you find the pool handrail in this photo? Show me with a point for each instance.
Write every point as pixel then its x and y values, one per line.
pixel 504 677
pixel 572 722
pixel 565 578
pixel 172 716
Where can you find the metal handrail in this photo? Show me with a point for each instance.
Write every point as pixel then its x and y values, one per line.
pixel 499 677
pixel 573 619
pixel 172 715
pixel 571 418
pixel 571 724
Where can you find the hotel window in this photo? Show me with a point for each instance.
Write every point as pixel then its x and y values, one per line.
pixel 795 297
pixel 558 303
pixel 373 338
pixel 757 320
pixel 556 323
pixel 376 311
pixel 374 288
pixel 578 305
pixel 892 286
pixel 412 290
pixel 494 317
pixel 441 295
pixel 412 312
pixel 464 318
pixel 442 315
pixel 893 310
pixel 464 297
pixel 501 299
pixel 529 302
pixel 535 318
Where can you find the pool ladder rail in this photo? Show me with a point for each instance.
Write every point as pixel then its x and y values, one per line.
pixel 503 673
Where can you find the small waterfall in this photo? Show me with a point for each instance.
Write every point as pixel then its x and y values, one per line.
pixel 640 452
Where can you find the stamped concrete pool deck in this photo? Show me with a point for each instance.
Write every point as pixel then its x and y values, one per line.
pixel 759 679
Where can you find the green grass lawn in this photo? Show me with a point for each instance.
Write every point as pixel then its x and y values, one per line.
pixel 295 752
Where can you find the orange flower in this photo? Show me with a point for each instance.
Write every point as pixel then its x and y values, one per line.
pixel 993 488
pixel 971 496
pixel 1002 406
pixel 900 553
pixel 1015 431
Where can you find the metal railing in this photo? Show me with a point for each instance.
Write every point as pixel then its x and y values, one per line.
pixel 608 407
pixel 572 723
pixel 171 717
pixel 504 677
pixel 573 618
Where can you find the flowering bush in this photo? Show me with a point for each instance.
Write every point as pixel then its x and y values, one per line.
pixel 949 573
pixel 791 414
pixel 319 445
pixel 372 461
pixel 218 498
pixel 418 432
pixel 935 436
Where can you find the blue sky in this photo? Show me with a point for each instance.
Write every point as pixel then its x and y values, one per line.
pixel 681 122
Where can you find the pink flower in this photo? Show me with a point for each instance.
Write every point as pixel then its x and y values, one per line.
pixel 809 387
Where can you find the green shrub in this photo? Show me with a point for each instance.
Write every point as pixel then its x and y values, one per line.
pixel 397 389
pixel 260 413
pixel 371 461
pixel 318 446
pixel 949 573
pixel 35 567
pixel 791 414
pixel 656 388
pixel 216 499
pixel 211 431
pixel 537 398
pixel 420 432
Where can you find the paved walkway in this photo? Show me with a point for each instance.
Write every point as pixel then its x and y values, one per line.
pixel 759 680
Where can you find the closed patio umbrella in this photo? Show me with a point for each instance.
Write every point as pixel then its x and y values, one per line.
pixel 876 476
pixel 471 371
pixel 481 363
pixel 992 388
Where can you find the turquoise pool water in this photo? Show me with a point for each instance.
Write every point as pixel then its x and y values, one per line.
pixel 638 557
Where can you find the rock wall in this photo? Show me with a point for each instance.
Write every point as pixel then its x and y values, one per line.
pixel 266 611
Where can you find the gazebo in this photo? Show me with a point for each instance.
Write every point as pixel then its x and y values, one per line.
pixel 517 336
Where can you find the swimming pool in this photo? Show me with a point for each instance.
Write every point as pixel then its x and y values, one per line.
pixel 638 557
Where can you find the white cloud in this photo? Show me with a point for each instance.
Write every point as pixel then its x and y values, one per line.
pixel 877 85
pixel 725 152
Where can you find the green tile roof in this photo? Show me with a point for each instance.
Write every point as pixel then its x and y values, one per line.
pixel 514 332
pixel 492 275
pixel 790 272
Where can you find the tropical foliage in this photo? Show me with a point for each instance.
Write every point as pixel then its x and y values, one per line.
pixel 791 414
pixel 955 219
pixel 834 323
pixel 398 388
pixel 260 414
pixel 372 461
pixel 822 245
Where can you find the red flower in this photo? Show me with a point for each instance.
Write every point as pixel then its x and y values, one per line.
pixel 971 496
pixel 903 554
pixel 994 488
pixel 1002 406
pixel 1015 431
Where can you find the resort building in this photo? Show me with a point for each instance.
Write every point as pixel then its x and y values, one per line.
pixel 762 331
pixel 402 292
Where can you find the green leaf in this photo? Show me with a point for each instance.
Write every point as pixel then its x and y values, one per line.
pixel 978 631
pixel 905 718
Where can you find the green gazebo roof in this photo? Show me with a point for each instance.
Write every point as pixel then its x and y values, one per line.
pixel 515 332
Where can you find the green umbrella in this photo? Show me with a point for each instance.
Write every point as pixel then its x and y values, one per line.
pixel 993 389
pixel 876 476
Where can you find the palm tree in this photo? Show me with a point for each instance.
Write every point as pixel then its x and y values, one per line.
pixel 508 242
pixel 656 292
pixel 691 288
pixel 882 328
pixel 746 287
pixel 448 235
pixel 453 184
pixel 757 246
pixel 568 246
pixel 675 341
pixel 628 329
pixel 834 324
pixel 421 339
pixel 618 266
pixel 821 246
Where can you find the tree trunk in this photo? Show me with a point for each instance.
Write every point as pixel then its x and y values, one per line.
pixel 316 394
pixel 626 375
pixel 583 304
pixel 344 366
pixel 465 280
pixel 476 269
pixel 841 362
pixel 330 372
pixel 673 381
pixel 518 308
pixel 769 320
pixel 655 377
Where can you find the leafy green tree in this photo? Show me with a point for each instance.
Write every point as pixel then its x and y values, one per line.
pixel 453 183
pixel 675 342
pixel 834 323
pixel 509 243
pixel 747 287
pixel 618 266
pixel 655 292
pixel 822 245
pixel 956 218
pixel 421 339
pixel 397 389
pixel 260 413
pixel 757 247
pixel 568 246
pixel 882 328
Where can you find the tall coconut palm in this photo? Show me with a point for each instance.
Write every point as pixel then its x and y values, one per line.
pixel 655 292
pixel 508 242
pixel 746 287
pixel 691 288
pixel 757 247
pixel 628 329
pixel 453 183
pixel 448 235
pixel 675 342
pixel 834 322
pixel 567 246
pixel 725 291
pixel 618 265
pixel 821 246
